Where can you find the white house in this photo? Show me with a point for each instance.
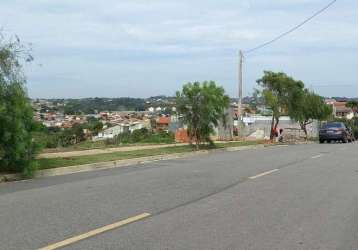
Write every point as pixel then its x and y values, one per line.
pixel 112 132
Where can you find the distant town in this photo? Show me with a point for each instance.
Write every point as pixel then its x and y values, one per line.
pixel 121 115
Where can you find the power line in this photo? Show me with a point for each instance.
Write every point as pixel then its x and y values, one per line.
pixel 292 29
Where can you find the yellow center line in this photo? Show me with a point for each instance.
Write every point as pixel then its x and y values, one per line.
pixel 95 232
pixel 263 174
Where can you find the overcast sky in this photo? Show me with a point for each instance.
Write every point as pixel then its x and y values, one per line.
pixel 140 48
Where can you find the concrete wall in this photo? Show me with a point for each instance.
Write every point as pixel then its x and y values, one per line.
pixel 264 124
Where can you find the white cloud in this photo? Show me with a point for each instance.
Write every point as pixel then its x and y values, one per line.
pixel 91 38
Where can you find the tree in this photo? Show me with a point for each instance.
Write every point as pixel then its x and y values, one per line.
pixel 94 125
pixel 78 133
pixel 308 107
pixel 201 105
pixel 17 147
pixel 279 92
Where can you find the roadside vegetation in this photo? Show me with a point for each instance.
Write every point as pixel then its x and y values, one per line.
pixel 55 137
pixel 57 140
pixel 17 147
pixel 142 136
pixel 287 96
pixel 202 106
pixel 79 160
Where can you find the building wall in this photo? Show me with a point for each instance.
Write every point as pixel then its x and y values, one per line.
pixel 264 123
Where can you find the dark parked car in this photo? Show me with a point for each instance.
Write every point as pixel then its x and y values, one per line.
pixel 335 131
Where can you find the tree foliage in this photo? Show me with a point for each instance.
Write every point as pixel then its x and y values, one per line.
pixel 308 107
pixel 202 105
pixel 54 137
pixel 279 92
pixel 17 148
pixel 287 96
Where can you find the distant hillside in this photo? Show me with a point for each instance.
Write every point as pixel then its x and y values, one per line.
pixel 94 105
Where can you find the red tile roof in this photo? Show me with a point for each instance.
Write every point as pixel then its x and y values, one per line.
pixel 164 120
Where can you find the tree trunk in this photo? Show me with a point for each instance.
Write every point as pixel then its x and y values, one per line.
pixel 276 123
pixel 272 124
pixel 306 134
pixel 196 137
pixel 304 128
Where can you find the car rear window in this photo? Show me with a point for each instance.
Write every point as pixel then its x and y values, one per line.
pixel 333 125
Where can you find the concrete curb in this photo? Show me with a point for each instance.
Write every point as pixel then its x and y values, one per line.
pixel 125 163
pixel 131 162
pixel 10 177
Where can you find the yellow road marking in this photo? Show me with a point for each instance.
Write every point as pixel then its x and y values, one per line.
pixel 263 174
pixel 95 232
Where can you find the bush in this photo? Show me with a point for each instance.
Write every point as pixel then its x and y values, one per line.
pixel 161 137
pixel 46 140
pixel 142 136
pixel 355 132
pixel 17 147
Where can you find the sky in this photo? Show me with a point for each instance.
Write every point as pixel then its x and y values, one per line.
pixel 142 48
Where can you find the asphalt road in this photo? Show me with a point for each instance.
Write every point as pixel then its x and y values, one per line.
pixel 295 197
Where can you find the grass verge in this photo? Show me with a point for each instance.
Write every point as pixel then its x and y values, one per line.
pixel 80 160
pixel 87 145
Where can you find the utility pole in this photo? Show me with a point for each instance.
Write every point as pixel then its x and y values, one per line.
pixel 239 106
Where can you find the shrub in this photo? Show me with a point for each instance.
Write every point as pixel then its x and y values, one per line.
pixel 355 132
pixel 17 147
pixel 142 136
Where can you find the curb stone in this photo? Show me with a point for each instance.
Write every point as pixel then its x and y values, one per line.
pixel 124 163
pixel 10 177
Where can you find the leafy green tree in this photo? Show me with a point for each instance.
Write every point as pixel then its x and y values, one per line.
pixel 17 147
pixel 97 127
pixel 308 107
pixel 94 125
pixel 201 105
pixel 66 138
pixel 78 133
pixel 279 92
pixel 255 100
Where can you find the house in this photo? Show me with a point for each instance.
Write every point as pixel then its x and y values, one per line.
pixel 340 109
pixel 135 126
pixel 163 123
pixel 112 132
pixel 330 101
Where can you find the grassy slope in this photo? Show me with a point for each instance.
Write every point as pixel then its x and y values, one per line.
pixel 79 160
pixel 97 145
